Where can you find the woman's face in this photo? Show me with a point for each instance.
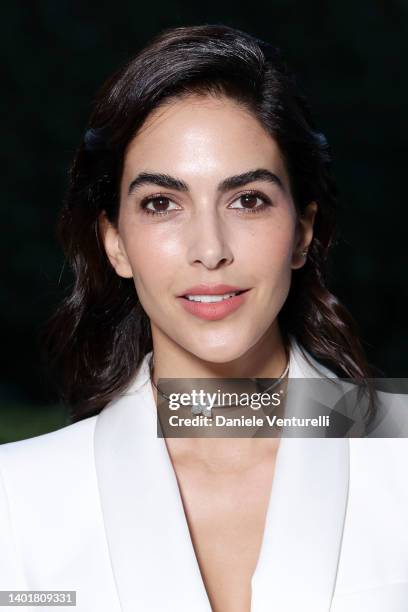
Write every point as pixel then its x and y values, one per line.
pixel 205 200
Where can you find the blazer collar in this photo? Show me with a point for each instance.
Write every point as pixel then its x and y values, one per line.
pixel 152 555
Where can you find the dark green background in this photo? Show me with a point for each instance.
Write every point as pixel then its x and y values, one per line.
pixel 351 59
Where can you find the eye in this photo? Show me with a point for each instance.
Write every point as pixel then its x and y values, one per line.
pixel 158 205
pixel 252 201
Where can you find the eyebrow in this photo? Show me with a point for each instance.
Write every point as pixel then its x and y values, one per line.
pixel 232 182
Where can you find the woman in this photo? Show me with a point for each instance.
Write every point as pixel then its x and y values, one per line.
pixel 198 223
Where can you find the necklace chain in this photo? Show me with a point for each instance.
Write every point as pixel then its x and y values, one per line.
pixel 207 410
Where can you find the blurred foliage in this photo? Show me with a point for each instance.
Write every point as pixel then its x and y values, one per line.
pixel 18 422
pixel 351 59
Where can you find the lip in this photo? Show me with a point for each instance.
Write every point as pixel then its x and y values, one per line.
pixel 219 289
pixel 213 311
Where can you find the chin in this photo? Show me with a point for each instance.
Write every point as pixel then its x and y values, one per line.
pixel 220 353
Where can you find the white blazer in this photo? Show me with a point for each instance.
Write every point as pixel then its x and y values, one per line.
pixel 95 507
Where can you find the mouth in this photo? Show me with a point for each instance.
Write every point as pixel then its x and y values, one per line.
pixel 213 306
pixel 212 299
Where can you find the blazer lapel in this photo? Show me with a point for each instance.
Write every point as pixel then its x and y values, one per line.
pixel 152 555
pixel 298 562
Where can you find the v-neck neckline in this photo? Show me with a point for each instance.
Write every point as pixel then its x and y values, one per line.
pixel 152 553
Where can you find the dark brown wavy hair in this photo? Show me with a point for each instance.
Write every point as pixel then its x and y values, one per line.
pixel 99 334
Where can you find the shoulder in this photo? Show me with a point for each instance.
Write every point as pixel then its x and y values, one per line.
pixel 390 406
pixel 47 448
pixel 378 482
pixel 375 537
pixel 40 479
pixel 40 472
pixel 382 456
pixel 36 464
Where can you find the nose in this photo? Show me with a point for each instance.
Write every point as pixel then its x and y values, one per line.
pixel 209 241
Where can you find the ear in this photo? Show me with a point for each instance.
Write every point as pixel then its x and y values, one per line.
pixel 304 234
pixel 114 246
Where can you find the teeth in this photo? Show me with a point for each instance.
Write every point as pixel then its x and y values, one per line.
pixel 210 298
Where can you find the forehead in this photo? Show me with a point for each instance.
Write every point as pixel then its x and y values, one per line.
pixel 202 132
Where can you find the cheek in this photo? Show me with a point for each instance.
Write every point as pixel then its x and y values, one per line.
pixel 270 248
pixel 155 261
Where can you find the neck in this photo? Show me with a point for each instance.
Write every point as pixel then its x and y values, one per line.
pixel 267 358
pixel 227 456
